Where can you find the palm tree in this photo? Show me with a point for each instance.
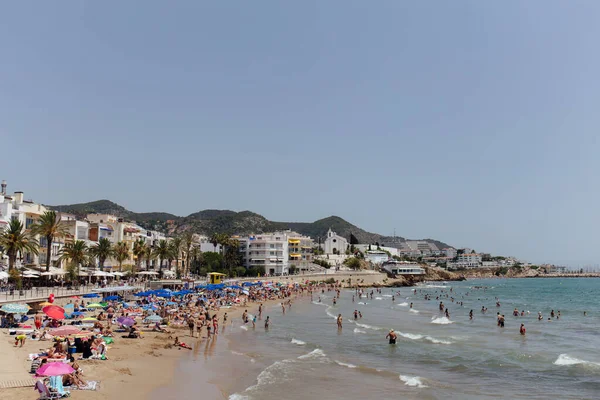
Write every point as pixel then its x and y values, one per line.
pixel 231 256
pixel 176 246
pixel 150 255
pixel 50 227
pixel 15 240
pixel 102 251
pixel 196 256
pixel 121 252
pixel 139 251
pixel 162 252
pixel 77 253
pixel 188 241
pixel 215 239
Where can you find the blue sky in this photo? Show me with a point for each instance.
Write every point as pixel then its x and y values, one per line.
pixel 470 122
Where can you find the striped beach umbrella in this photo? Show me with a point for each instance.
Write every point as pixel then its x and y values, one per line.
pixel 14 308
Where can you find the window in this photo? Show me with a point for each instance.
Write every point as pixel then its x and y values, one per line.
pixel 43 242
pixel 28 223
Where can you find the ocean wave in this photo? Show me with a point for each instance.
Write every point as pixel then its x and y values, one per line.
pixel 244 327
pixel 276 372
pixel 237 354
pixel 316 353
pixel 412 310
pixel 330 314
pixel 356 330
pixel 387 295
pixel 298 342
pixel 414 381
pixel 378 298
pixel 319 304
pixel 565 359
pixel 441 321
pixel 375 328
pixel 345 365
pixel 362 304
pixel 434 286
pixel 405 304
pixel 411 336
pixel 437 341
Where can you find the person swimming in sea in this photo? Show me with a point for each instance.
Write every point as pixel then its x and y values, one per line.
pixel 392 336
pixel 411 304
pixel 267 321
pixel 552 314
pixel 359 315
pixel 540 317
pixel 334 301
pixel 447 313
pixel 339 321
pixel 522 329
pixel 471 315
pixel 355 314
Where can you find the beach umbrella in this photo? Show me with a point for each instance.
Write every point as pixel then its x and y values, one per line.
pixel 95 305
pixel 70 305
pixel 110 298
pixel 153 318
pixel 245 292
pixel 45 303
pixel 126 321
pixel 55 369
pixel 74 297
pixel 14 308
pixel 65 331
pixel 91 295
pixel 54 312
pixel 142 294
pixel 89 319
pixel 77 313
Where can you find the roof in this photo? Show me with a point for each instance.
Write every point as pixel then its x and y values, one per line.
pixel 216 273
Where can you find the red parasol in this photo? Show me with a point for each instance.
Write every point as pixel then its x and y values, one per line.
pixel 55 312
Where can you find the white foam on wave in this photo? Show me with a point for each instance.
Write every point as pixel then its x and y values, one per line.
pixel 316 353
pixel 375 328
pixel 412 310
pixel 412 336
pixel 387 295
pixel 244 327
pixel 356 330
pixel 441 321
pixel 565 359
pixel 343 364
pixel 435 286
pixel 378 298
pixel 276 372
pixel 414 381
pixel 405 304
pixel 437 341
pixel 319 304
pixel 298 342
pixel 330 314
pixel 237 354
pixel 363 304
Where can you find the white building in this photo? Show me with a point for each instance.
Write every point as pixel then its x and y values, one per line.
pixel 466 260
pixel 449 252
pixel 403 268
pixel 376 256
pixel 334 243
pixel 276 252
pixel 420 247
pixel 371 247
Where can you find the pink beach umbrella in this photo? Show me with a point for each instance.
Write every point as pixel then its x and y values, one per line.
pixel 65 331
pixel 55 369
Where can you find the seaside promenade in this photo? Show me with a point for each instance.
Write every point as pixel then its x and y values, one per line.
pixel 42 293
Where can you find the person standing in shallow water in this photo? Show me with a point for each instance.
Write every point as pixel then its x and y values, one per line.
pixel 392 336
pixel 339 321
pixel 522 329
pixel 267 322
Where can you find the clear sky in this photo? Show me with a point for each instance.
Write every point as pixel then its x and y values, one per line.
pixel 472 122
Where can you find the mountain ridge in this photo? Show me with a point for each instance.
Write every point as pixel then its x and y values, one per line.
pixel 233 222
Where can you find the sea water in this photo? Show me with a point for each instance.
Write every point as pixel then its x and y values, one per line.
pixel 304 355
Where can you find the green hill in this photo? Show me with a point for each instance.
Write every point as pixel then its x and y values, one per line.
pixel 208 222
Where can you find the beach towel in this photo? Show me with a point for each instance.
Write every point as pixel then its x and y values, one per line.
pixel 91 385
pixel 56 384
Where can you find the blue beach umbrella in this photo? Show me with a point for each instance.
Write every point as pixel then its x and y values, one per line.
pixel 90 295
pixel 110 298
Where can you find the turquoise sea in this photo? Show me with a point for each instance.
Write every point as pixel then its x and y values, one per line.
pixel 304 355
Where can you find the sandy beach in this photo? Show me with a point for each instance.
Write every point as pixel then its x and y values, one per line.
pixel 145 368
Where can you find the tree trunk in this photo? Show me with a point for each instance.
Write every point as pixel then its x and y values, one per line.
pixel 48 251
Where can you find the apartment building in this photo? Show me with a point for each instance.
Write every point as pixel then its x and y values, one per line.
pixel 276 252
